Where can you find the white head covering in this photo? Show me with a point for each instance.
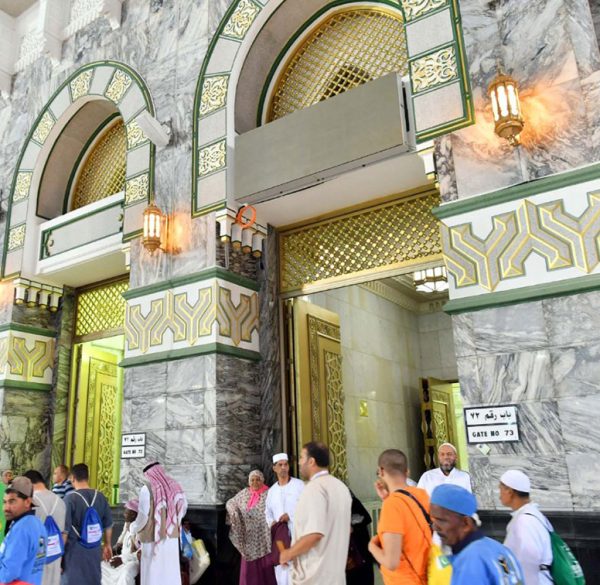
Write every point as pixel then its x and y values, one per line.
pixel 447 445
pixel 516 480
pixel 280 457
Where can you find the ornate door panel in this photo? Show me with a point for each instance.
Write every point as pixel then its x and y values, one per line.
pixel 317 378
pixel 98 417
pixel 441 410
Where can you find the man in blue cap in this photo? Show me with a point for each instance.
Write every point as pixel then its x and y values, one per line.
pixel 475 557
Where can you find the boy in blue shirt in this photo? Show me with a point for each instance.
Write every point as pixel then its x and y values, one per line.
pixel 23 552
pixel 475 557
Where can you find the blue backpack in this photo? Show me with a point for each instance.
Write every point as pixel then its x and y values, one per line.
pixel 55 545
pixel 91 529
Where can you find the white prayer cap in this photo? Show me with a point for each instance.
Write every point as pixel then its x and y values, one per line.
pixel 516 480
pixel 280 457
pixel 448 445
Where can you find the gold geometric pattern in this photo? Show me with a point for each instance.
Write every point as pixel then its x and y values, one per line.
pixel 135 135
pixel 30 364
pixel 335 415
pixel 190 321
pixel 214 93
pixel 212 158
pixel 136 189
pixel 80 86
pixel 101 309
pixel 237 322
pixel 119 84
pixel 43 128
pixel 22 186
pixel 348 49
pixel 103 172
pixel 561 239
pixel 415 8
pixel 108 429
pixel 434 69
pixel 389 235
pixel 241 19
pixel 16 237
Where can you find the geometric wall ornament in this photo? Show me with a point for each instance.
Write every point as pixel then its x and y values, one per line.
pixel 210 315
pixel 540 228
pixel 26 358
pixel 102 80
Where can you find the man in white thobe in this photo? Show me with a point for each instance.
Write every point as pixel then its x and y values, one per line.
pixel 281 505
pixel 161 498
pixel 528 532
pixel 446 472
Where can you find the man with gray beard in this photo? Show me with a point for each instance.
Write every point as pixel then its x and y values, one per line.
pixel 446 473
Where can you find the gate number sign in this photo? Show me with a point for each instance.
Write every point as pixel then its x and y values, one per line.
pixel 492 424
pixel 133 445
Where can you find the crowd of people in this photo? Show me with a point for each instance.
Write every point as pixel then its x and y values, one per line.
pixel 315 532
pixel 311 532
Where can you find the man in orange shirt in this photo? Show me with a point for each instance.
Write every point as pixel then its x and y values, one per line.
pixel 401 545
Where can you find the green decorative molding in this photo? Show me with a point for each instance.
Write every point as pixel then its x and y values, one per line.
pixel 572 286
pixel 176 354
pixel 518 191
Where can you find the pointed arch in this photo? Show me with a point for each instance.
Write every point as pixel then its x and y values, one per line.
pixel 437 68
pixel 110 81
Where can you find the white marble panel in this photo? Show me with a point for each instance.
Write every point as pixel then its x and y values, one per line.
pixel 584 470
pixel 186 445
pixel 145 380
pixel 144 413
pixel 212 128
pixel 102 75
pixel 580 27
pixel 212 189
pixel 580 430
pixel 515 377
pixel 223 56
pixel 576 370
pixel 439 106
pixel 199 482
pixel 418 34
pixel 30 157
pixel 61 102
pixel 132 102
pixel 517 327
pixel 574 319
pixel 138 160
pixel 18 212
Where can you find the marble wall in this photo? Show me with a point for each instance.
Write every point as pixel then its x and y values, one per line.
pixel 542 356
pixel 551 49
pixel 385 350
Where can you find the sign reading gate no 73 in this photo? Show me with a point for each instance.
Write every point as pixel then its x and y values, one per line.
pixel 492 424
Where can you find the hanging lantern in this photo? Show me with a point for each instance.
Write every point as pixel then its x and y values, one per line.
pixel 508 121
pixel 153 218
pixel 431 280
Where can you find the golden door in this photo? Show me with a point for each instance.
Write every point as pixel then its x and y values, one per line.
pixel 442 420
pixel 97 416
pixel 317 399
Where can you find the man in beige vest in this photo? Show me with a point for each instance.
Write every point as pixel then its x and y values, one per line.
pixel 162 505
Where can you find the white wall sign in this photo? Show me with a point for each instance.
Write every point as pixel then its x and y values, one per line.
pixel 138 452
pixel 492 424
pixel 133 439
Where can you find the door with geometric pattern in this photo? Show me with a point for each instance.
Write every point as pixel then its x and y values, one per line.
pixel 316 378
pixel 98 416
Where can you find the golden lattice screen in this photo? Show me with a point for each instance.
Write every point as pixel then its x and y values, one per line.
pixel 103 172
pixel 348 49
pixel 394 235
pixel 101 309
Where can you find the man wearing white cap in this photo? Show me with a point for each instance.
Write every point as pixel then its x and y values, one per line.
pixel 446 473
pixel 281 505
pixel 528 532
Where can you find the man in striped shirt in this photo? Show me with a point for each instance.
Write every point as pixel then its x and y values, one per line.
pixel 62 484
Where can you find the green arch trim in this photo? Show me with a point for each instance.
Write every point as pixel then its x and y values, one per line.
pixel 93 65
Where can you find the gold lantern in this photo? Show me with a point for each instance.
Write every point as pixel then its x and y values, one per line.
pixel 508 121
pixel 153 219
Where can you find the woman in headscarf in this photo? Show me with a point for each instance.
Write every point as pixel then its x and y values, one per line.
pixel 124 568
pixel 250 533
